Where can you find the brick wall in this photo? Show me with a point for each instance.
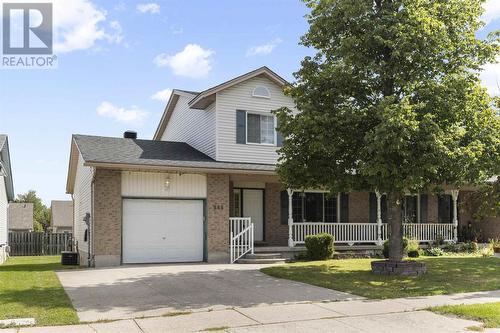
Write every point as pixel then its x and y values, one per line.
pixel 489 226
pixel 107 220
pixel 276 233
pixel 359 207
pixel 432 208
pixel 218 217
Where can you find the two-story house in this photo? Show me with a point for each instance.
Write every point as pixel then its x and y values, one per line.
pixel 206 189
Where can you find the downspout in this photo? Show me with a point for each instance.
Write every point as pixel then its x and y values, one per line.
pixel 91 261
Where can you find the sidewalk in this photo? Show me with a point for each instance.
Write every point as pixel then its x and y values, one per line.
pixel 346 316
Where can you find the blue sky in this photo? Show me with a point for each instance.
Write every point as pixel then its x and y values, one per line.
pixel 117 62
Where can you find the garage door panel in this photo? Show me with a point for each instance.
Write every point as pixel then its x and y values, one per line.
pixel 162 230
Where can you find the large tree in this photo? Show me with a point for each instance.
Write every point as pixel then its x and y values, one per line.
pixel 391 101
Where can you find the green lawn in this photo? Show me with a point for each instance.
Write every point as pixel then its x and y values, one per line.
pixel 445 275
pixel 29 287
pixel 489 314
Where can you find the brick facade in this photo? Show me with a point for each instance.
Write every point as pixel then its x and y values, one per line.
pixel 359 207
pixel 276 233
pixel 488 227
pixel 432 208
pixel 218 217
pixel 107 233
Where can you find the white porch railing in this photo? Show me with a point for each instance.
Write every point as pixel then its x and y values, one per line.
pixel 364 233
pixel 241 237
pixel 428 232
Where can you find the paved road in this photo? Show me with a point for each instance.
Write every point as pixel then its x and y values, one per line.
pixel 135 291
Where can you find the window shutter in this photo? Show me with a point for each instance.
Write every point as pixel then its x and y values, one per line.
pixel 284 207
pixel 444 209
pixel 384 208
pixel 344 208
pixel 423 208
pixel 279 137
pixel 241 125
pixel 373 208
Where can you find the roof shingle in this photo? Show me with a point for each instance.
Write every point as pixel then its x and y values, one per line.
pixel 98 149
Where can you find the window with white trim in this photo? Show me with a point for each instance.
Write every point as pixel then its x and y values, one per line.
pixel 262 92
pixel 260 129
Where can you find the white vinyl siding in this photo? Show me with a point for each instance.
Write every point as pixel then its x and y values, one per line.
pixel 239 97
pixel 3 212
pixel 152 185
pixel 195 127
pixel 82 202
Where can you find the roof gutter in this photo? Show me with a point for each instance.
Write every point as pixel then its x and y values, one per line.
pixel 159 168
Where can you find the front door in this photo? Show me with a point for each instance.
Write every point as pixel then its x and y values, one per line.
pixel 253 207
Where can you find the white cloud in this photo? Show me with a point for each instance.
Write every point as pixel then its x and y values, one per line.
pixel 490 77
pixel 152 8
pixel 264 48
pixel 120 7
pixel 133 114
pixel 162 95
pixel 491 11
pixel 193 61
pixel 79 24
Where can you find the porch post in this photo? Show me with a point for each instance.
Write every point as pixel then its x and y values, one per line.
pixel 454 196
pixel 379 217
pixel 290 217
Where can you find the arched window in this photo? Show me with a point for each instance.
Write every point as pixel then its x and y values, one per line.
pixel 261 91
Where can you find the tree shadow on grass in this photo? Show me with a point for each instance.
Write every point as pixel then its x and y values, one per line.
pixel 445 275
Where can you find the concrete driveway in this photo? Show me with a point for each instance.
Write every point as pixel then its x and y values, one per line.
pixel 135 291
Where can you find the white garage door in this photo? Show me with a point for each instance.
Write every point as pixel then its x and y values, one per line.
pixel 162 230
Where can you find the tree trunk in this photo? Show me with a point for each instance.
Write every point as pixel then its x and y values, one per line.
pixel 395 220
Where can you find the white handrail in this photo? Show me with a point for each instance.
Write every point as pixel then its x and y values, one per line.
pixel 364 233
pixel 241 237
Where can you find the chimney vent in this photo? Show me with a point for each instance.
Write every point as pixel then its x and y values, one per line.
pixel 130 135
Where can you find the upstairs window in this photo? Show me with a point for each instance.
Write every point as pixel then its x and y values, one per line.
pixel 260 129
pixel 262 92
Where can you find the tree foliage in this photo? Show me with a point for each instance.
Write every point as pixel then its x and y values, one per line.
pixel 41 214
pixel 392 99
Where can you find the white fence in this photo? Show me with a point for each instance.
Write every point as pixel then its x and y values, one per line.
pixel 363 233
pixel 241 237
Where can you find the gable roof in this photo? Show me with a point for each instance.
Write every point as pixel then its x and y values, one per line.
pixel 5 166
pixel 203 99
pixel 169 108
pixel 130 154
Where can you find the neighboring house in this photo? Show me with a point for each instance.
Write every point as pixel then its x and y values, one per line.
pixel 184 195
pixel 6 193
pixel 61 216
pixel 20 217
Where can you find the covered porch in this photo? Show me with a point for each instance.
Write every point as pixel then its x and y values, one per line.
pixel 263 214
pixel 377 233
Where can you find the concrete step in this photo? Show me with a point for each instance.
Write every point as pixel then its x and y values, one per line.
pixel 261 261
pixel 266 255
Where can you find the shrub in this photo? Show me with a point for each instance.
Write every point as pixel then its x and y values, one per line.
pixel 438 241
pixel 385 250
pixel 319 247
pixel 469 247
pixel 413 253
pixel 434 252
pixel 413 245
pixel 495 245
pixel 486 251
